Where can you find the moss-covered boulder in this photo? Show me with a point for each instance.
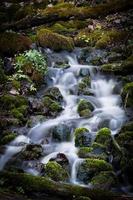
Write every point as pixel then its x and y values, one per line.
pixel 104 137
pixel 55 41
pixel 9 101
pixel 125 140
pixel 51 107
pixel 119 68
pixel 61 132
pixel 90 168
pixel 32 152
pixel 106 180
pixel 11 43
pixel 54 93
pixel 38 186
pixel 127 95
pixel 84 108
pixel 54 171
pixel 83 137
pixel 99 38
pixel 83 86
pixel 96 150
pixel 8 137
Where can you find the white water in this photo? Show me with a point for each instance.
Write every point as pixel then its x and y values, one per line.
pixel 106 106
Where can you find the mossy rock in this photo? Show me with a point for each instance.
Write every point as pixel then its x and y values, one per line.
pixel 95 151
pixel 32 152
pixel 99 38
pixel 11 43
pixel 8 101
pixel 27 10
pixel 55 41
pixel 125 140
pixel 127 95
pixel 54 93
pixel 104 137
pixel 83 86
pixel 84 108
pixel 61 132
pixel 7 138
pixel 90 168
pixel 8 121
pixel 51 107
pixel 83 137
pixel 55 171
pixel 39 185
pixel 20 112
pixel 119 68
pixel 68 27
pixel 106 180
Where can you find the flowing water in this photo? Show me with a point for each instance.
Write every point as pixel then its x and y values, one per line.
pixel 107 106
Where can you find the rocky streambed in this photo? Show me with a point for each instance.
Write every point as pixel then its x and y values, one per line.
pixel 66 90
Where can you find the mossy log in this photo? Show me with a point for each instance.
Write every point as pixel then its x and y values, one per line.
pixel 54 14
pixel 40 186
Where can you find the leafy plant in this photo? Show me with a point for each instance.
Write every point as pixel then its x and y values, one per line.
pixel 33 58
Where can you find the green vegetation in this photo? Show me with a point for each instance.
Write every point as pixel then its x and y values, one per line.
pixel 57 42
pixel 11 43
pixel 84 108
pixel 55 171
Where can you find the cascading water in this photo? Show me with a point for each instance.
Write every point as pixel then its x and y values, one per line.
pixel 106 106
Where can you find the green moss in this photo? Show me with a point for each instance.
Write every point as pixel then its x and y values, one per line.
pixel 8 101
pixel 79 131
pixel 99 38
pixel 17 114
pixel 105 180
pixel 95 151
pixel 24 11
pixel 11 43
pixel 127 94
pixel 51 105
pixel 55 171
pixel 8 138
pixel 36 184
pixel 57 42
pixel 91 167
pixel 83 137
pixel 68 27
pixel 16 84
pixel 84 108
pixel 104 136
pixel 32 152
pixel 109 37
pixel 84 152
pixel 119 68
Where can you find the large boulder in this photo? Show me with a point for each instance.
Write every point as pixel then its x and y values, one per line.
pixel 84 108
pixel 11 43
pixel 61 132
pixel 104 137
pixel 83 137
pixel 55 171
pixel 90 168
pixel 55 41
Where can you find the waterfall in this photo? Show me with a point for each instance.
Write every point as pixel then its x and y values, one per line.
pixel 107 105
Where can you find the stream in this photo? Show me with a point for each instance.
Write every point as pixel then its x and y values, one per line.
pixel 106 103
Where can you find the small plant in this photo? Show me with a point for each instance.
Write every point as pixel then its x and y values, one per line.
pixel 32 58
